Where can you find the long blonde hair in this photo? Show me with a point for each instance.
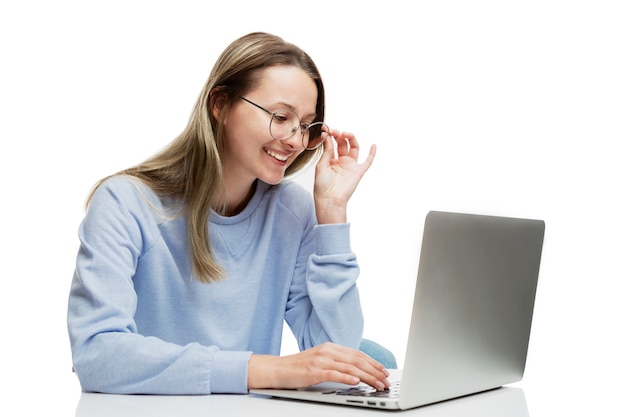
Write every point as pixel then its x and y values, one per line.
pixel 189 169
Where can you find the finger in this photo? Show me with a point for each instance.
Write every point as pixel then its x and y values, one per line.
pixel 343 144
pixel 335 133
pixel 370 158
pixel 353 144
pixel 372 373
pixel 377 380
pixel 328 154
pixel 346 373
pixel 354 363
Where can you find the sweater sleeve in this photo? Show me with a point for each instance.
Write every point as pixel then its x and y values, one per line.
pixel 324 304
pixel 109 355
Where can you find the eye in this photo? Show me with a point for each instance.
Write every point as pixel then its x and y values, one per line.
pixel 283 116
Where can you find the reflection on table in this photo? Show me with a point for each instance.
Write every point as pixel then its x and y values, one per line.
pixel 506 401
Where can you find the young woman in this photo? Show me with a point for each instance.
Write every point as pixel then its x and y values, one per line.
pixel 190 262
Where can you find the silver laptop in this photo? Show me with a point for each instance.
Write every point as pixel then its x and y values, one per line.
pixel 472 314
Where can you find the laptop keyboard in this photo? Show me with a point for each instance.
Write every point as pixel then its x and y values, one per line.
pixel 367 391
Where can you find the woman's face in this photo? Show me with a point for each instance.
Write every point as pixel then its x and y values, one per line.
pixel 250 151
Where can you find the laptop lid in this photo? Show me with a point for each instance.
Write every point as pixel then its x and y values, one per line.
pixel 473 305
pixel 472 311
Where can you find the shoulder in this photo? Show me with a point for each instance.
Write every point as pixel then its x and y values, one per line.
pixel 126 194
pixel 124 208
pixel 124 188
pixel 292 195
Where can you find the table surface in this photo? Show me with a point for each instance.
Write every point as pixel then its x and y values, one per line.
pixel 504 401
pixel 547 398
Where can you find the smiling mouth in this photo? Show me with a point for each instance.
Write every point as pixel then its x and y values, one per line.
pixel 277 156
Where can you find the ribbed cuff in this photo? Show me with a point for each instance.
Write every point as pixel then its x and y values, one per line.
pixel 229 372
pixel 332 239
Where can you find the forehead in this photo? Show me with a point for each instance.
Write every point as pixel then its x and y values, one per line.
pixel 287 85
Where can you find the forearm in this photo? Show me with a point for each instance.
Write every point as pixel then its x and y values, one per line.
pixel 124 363
pixel 264 371
pixel 324 303
pixel 329 211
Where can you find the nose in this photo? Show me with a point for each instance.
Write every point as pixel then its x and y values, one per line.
pixel 295 140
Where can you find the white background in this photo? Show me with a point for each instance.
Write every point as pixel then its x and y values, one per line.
pixel 514 108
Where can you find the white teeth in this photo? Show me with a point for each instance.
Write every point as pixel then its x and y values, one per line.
pixel 273 154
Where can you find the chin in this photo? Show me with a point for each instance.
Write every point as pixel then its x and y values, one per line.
pixel 273 177
pixel 272 181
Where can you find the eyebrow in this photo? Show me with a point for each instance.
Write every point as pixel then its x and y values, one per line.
pixel 292 108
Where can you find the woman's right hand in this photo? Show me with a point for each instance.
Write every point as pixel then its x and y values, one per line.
pixel 328 362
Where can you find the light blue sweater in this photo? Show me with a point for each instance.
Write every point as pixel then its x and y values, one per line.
pixel 140 323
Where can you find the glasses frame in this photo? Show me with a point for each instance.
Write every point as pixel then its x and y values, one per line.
pixel 304 128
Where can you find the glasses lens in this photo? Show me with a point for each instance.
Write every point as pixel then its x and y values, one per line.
pixel 315 135
pixel 284 124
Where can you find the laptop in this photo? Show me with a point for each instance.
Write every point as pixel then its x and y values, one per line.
pixel 471 318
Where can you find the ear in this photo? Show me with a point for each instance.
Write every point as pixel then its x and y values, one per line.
pixel 217 98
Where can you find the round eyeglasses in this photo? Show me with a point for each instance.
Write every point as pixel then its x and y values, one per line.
pixel 285 123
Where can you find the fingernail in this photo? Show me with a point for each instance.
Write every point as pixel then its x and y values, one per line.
pixel 380 386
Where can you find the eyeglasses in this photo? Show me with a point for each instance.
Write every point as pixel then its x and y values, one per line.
pixel 285 123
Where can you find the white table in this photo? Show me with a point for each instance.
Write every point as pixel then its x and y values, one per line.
pixel 505 401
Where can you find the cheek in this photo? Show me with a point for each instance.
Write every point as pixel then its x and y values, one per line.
pixel 294 157
pixel 242 142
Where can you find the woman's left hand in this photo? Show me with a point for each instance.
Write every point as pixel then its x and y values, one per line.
pixel 337 175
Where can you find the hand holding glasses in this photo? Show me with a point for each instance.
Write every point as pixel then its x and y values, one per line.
pixel 285 123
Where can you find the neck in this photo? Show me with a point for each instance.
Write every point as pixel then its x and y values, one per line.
pixel 235 200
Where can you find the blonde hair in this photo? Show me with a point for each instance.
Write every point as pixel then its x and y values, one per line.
pixel 189 169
